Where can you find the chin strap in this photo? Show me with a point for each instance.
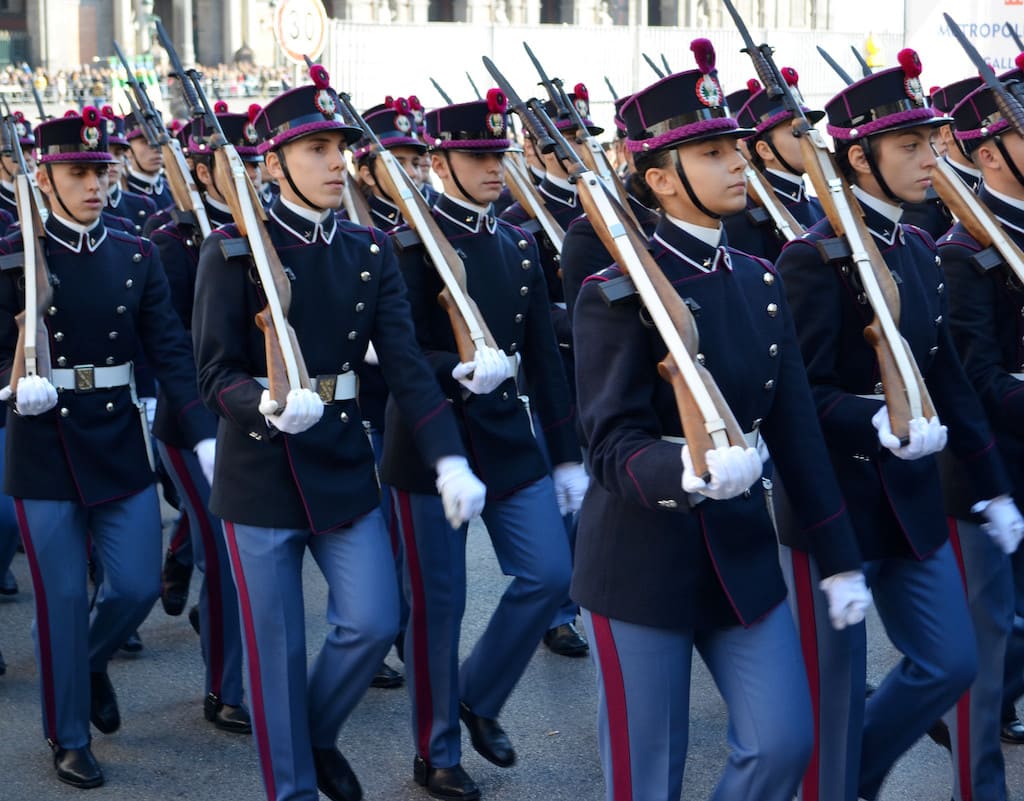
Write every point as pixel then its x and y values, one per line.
pixel 291 183
pixel 689 189
pixel 869 155
pixel 1009 160
pixel 775 152
pixel 458 183
pixel 371 162
pixel 56 194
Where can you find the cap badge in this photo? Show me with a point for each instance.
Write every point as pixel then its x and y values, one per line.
pixel 709 92
pixel 325 103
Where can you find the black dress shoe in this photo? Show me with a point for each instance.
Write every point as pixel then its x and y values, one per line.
pixel 488 738
pixel 193 618
pixel 939 734
pixel 334 777
pixel 8 584
pixel 449 783
pixel 233 719
pixel 566 640
pixel 387 678
pixel 103 710
pixel 1012 730
pixel 133 644
pixel 3 665
pixel 77 767
pixel 174 580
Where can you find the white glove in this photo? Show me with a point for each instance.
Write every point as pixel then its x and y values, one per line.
pixel 35 395
pixel 205 451
pixel 926 436
pixel 1003 522
pixel 571 482
pixel 462 493
pixel 733 469
pixel 302 410
pixel 848 598
pixel 488 369
pixel 371 355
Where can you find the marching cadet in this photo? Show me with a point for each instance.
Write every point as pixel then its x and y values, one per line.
pixel 776 152
pixel 985 301
pixel 144 168
pixel 395 128
pixel 583 253
pixel 78 463
pixel 561 200
pixel 882 128
pixel 525 499
pixel 302 477
pixel 667 562
pixel 131 206
pixel 8 168
pixel 218 621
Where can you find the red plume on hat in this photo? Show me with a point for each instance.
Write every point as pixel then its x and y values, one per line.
pixel 91 116
pixel 414 103
pixel 220 107
pixel 254 111
pixel 1019 61
pixel 174 126
pixel 389 102
pixel 108 112
pixel 402 105
pixel 910 61
pixel 581 92
pixel 790 75
pixel 753 86
pixel 321 80
pixel 69 113
pixel 704 53
pixel 497 103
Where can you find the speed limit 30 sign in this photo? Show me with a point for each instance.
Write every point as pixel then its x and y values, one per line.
pixel 300 27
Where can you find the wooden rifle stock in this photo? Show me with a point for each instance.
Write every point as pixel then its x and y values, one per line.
pixel 906 395
pixel 354 201
pixel 976 217
pixel 526 194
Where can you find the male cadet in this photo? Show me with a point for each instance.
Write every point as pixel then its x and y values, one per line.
pixel 931 214
pixel 8 168
pixel 218 620
pixel 144 168
pixel 302 477
pixel 985 302
pixel 78 463
pixel 777 153
pixel 561 200
pixel 131 206
pixel 882 129
pixel 525 498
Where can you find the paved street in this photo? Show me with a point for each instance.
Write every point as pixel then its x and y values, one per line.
pixel 166 750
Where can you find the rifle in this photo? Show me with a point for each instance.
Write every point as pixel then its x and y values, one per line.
pixel 1008 98
pixel 905 393
pixel 525 192
pixel 468 325
pixel 707 420
pixel 1015 36
pixel 5 110
pixel 843 74
pixel 286 369
pixel 473 84
pixel 864 68
pixel 653 66
pixel 442 92
pixel 611 88
pixel 664 61
pixel 32 352
pixel 353 199
pixel 761 192
pixel 189 202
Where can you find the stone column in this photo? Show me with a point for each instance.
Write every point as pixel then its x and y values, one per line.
pixel 182 31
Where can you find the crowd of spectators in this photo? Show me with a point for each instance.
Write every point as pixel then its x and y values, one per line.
pixel 93 83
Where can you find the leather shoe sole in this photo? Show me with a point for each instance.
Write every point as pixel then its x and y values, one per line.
pixel 488 738
pixel 566 640
pixel 387 678
pixel 174 582
pixel 1012 732
pixel 103 711
pixel 77 767
pixel 450 784
pixel 334 776
pixel 232 719
pixel 133 644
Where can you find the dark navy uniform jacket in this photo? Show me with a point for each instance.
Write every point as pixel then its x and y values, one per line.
pixel 384 214
pixel 583 253
pixel 346 290
pixel 896 505
pixel 158 191
pixel 762 240
pixel 643 553
pixel 110 302
pixel 8 202
pixel 179 255
pixel 137 208
pixel 506 281
pixel 986 313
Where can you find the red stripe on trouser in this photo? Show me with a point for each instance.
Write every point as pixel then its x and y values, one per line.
pixel 181 532
pixel 804 587
pixel 424 701
pixel 214 591
pixel 963 705
pixel 259 715
pixel 615 708
pixel 42 626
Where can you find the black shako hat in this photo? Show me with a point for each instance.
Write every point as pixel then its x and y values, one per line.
pixel 977 117
pixel 479 126
pixel 302 111
pixel 395 123
pixel 762 112
pixel 565 120
pixel 74 138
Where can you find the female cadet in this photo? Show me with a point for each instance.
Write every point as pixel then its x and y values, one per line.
pixel 77 460
pixel 665 562
pixel 303 476
pixel 882 129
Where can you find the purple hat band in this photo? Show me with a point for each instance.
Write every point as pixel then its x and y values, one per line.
pixel 117 140
pixel 997 126
pixel 900 118
pixel 98 156
pixel 683 133
pixel 496 145
pixel 288 134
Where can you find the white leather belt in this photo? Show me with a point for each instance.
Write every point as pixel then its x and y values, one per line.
pixel 880 396
pixel 753 438
pixel 330 388
pixel 89 378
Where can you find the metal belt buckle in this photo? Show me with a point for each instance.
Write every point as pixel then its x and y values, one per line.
pixel 85 378
pixel 326 387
